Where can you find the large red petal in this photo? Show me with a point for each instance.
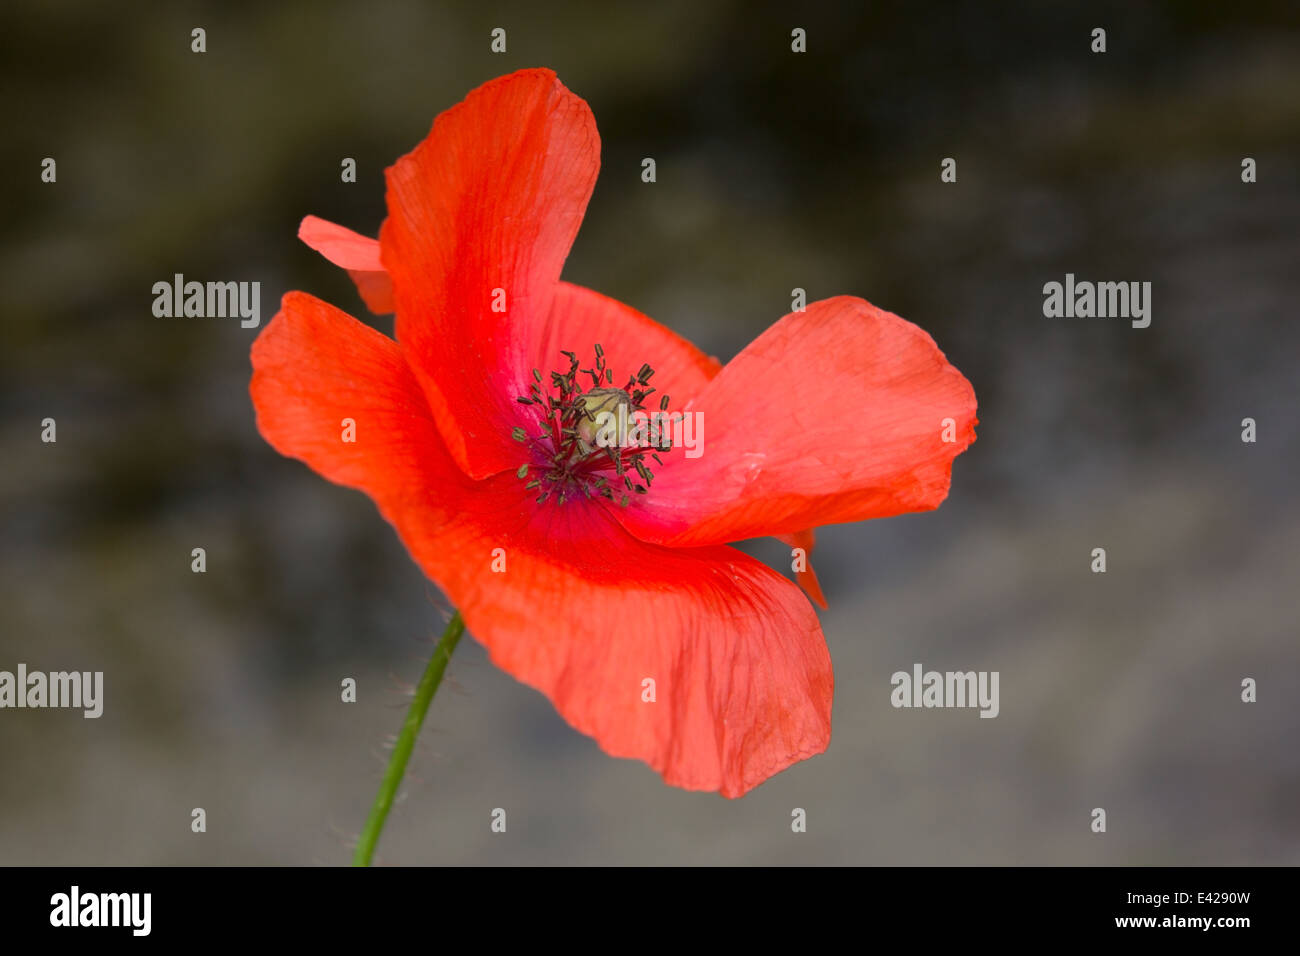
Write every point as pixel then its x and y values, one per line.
pixel 581 610
pixel 320 377
pixel 839 413
pixel 490 200
pixel 355 253
pixel 588 615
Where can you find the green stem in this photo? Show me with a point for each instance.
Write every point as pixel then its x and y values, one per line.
pixel 406 740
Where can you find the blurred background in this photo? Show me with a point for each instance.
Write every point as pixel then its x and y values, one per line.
pixel 775 170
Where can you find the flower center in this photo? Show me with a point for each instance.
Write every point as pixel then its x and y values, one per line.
pixel 588 444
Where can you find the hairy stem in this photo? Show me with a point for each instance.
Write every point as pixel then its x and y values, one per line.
pixel 406 740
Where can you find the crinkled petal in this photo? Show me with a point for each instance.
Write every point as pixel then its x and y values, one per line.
pixel 839 413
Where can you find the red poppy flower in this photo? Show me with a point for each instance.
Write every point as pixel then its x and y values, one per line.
pixel 834 414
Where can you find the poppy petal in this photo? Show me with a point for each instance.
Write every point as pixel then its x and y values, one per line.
pixel 807 578
pixel 481 216
pixel 702 662
pixel 355 253
pixel 580 319
pixel 376 290
pixel 334 393
pixel 577 608
pixel 840 413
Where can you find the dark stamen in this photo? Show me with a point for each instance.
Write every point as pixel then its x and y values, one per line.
pixel 565 461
